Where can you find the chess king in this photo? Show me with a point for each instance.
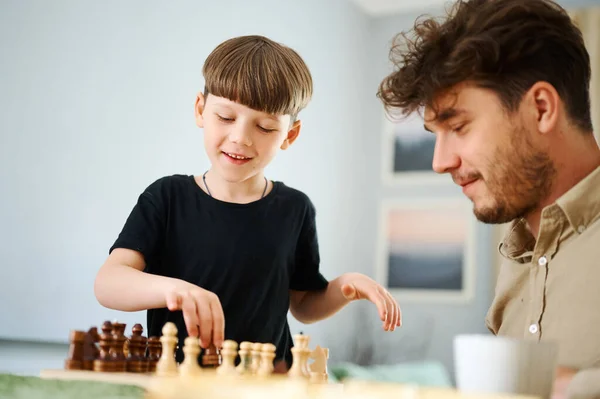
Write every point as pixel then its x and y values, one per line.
pixel 227 253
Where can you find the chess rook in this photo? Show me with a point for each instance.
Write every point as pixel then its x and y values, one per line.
pixel 74 359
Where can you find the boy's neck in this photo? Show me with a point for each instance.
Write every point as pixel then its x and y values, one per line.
pixel 243 192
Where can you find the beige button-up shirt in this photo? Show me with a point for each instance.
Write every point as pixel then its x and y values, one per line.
pixel 549 289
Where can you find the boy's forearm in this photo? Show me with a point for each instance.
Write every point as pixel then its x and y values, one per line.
pixel 127 289
pixel 319 305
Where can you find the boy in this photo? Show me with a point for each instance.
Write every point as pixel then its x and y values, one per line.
pixel 226 254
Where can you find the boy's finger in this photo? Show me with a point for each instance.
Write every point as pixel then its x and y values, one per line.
pixel 218 320
pixel 189 311
pixel 173 301
pixel 379 300
pixel 205 320
pixel 395 310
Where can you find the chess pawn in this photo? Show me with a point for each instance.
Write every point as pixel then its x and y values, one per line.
pixel 245 366
pixel 104 362
pixel 74 359
pixel 166 365
pixel 191 350
pixel 154 349
pixel 229 353
pixel 255 352
pixel 136 359
pixel 267 355
pixel 118 347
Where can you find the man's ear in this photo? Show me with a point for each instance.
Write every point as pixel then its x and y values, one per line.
pixel 292 135
pixel 546 105
pixel 199 109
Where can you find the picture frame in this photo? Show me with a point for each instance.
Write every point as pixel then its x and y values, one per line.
pixel 407 152
pixel 426 249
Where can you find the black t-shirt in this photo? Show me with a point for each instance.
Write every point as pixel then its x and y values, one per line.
pixel 249 255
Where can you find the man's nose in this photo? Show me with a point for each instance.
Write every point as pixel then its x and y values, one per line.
pixel 445 158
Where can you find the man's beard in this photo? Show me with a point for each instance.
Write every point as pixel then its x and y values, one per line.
pixel 519 178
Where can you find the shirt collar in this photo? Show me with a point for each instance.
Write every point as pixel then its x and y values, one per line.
pixel 580 206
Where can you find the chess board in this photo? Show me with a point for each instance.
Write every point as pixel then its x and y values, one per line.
pixel 110 357
pixel 113 357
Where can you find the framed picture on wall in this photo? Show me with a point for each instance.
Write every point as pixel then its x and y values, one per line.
pixel 426 249
pixel 408 152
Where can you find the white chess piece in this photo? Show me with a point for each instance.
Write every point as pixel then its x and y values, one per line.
pixel 267 355
pixel 256 350
pixel 245 358
pixel 191 350
pixel 228 354
pixel 166 365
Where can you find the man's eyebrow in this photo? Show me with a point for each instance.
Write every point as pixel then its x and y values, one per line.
pixel 446 114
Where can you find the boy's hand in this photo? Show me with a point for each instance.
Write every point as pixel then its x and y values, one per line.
pixel 358 286
pixel 202 312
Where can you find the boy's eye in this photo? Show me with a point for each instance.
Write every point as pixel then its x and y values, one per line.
pixel 224 119
pixel 266 130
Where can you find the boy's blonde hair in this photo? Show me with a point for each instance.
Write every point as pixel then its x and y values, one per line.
pixel 259 73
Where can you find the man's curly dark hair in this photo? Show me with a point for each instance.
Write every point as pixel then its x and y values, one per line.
pixel 502 45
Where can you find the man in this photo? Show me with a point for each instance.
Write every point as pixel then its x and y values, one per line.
pixel 504 86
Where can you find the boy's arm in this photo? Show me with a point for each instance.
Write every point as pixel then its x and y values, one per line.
pixel 311 306
pixel 121 283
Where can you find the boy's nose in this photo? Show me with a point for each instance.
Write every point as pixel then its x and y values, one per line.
pixel 240 135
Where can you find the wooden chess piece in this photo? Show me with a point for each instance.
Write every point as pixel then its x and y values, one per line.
pixel 136 359
pixel 267 355
pixel 104 362
pixel 245 358
pixel 74 360
pixel 255 353
pixel 229 354
pixel 319 365
pixel 118 345
pixel 154 348
pixel 300 353
pixel 191 350
pixel 90 349
pixel 166 365
pixel 211 358
pixel 302 341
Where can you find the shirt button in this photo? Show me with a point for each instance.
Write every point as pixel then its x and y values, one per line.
pixel 533 328
pixel 542 261
pixel 580 229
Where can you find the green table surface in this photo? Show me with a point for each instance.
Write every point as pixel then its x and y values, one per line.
pixel 27 387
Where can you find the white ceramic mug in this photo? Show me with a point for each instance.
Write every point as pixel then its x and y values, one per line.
pixel 492 364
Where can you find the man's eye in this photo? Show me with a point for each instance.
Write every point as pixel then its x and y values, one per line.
pixel 458 128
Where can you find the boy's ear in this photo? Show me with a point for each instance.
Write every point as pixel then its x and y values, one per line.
pixel 292 135
pixel 199 109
